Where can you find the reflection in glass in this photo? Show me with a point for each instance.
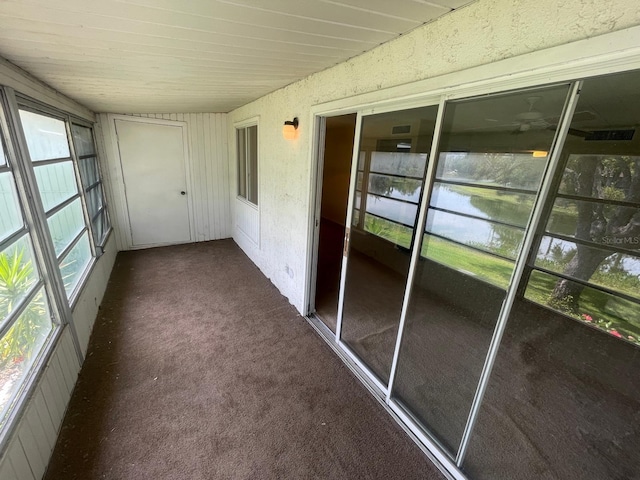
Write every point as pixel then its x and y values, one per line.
pixel 83 140
pixel 94 200
pixel 10 215
pixel 618 271
pixel 563 398
pixel 515 171
pixel 562 403
pixel 56 183
pixel 65 225
pixel 488 203
pixel 400 188
pixel 88 171
pixel 46 136
pixel 402 163
pixel 75 263
pixel 383 228
pixel 391 173
pixel 484 170
pixel 394 210
pixel 486 267
pixel 502 240
pixel 100 227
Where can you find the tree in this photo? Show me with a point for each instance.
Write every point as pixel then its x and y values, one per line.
pixel 614 178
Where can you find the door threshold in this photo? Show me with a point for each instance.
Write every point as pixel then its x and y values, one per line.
pixel 330 338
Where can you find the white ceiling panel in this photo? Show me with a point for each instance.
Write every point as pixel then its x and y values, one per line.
pixel 160 56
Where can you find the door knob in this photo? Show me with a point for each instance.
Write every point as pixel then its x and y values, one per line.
pixel 183 193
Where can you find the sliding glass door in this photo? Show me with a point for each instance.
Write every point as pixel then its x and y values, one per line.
pixel 389 185
pixel 491 277
pixel 489 169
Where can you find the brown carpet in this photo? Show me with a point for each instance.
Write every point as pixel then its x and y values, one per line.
pixel 199 369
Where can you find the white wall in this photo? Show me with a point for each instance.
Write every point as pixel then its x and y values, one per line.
pixel 209 168
pixel 480 42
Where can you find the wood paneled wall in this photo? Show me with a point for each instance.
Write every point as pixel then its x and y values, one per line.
pixel 28 450
pixel 209 166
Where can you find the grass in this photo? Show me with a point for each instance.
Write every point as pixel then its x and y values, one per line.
pixel 613 315
pixel 491 269
pixel 610 314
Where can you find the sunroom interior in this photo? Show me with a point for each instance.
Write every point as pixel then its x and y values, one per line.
pixel 456 211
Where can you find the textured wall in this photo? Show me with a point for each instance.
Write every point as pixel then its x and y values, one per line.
pixel 484 32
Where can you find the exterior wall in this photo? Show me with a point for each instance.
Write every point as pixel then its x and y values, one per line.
pixel 209 173
pixel 483 41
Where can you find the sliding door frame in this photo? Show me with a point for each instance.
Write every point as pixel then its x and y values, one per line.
pixel 535 73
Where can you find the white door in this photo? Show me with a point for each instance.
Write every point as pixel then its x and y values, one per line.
pixel 153 166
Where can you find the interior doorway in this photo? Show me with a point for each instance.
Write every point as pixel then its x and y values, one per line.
pixel 335 170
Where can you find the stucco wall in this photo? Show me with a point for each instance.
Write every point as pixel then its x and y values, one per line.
pixel 482 33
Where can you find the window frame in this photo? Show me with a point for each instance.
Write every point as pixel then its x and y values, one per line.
pixel 49 279
pixel 24 102
pixel 245 175
pixel 103 210
pixel 34 107
pixel 34 223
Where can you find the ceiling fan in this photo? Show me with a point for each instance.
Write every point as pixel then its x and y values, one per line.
pixel 530 119
pixel 533 119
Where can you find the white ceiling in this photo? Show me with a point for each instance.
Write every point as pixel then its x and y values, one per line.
pixel 163 56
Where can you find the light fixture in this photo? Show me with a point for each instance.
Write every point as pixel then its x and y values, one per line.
pixel 539 153
pixel 290 129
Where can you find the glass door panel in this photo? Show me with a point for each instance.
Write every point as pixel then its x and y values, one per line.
pixel 491 159
pixel 564 395
pixel 392 162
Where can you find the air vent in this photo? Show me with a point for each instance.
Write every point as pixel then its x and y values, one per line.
pixel 401 129
pixel 604 135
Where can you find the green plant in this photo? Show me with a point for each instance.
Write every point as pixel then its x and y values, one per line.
pixel 16 279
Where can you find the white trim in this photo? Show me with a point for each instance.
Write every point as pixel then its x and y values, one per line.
pixel 427 189
pixel 353 180
pixel 364 369
pixel 118 185
pixel 244 124
pixel 245 202
pixel 318 139
pixel 433 448
pixel 247 122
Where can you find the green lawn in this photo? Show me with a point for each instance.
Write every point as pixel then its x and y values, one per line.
pixel 613 315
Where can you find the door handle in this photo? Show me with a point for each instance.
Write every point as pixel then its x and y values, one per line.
pixel 183 192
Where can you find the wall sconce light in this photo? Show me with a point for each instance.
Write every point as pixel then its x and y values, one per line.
pixel 290 129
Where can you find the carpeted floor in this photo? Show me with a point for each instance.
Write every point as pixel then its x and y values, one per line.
pixel 199 369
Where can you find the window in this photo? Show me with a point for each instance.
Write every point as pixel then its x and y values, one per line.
pixel 55 174
pixel 52 212
pixel 91 182
pixel 25 320
pixel 247 143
